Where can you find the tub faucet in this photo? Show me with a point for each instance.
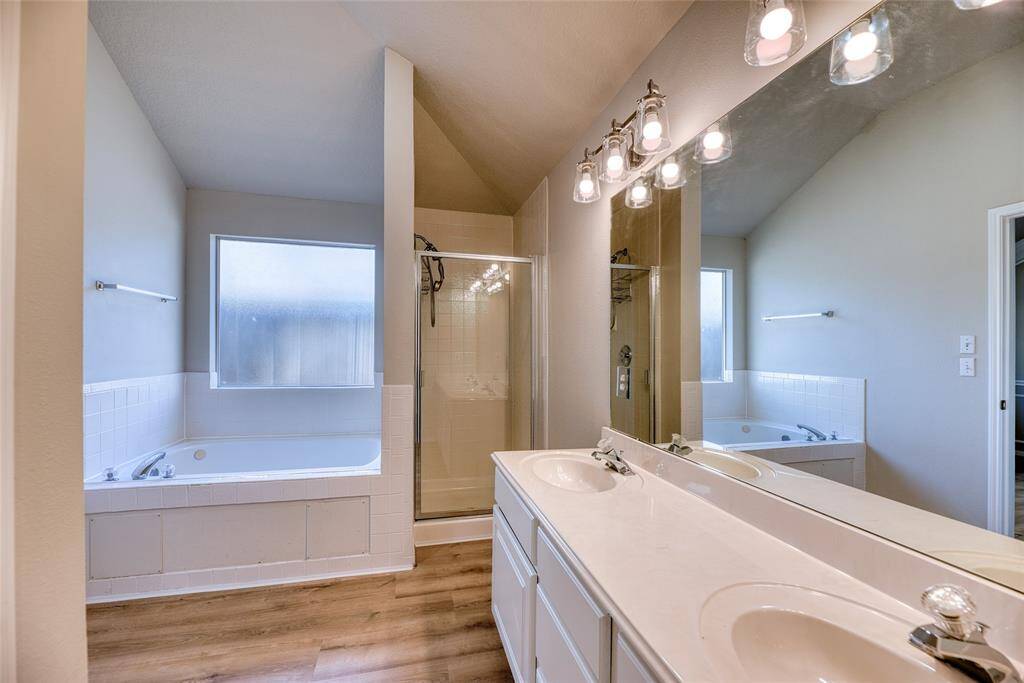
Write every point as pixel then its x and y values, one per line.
pixel 611 457
pixel 678 446
pixel 958 639
pixel 141 470
pixel 812 433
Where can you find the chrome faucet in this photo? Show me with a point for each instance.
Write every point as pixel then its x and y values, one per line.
pixel 812 433
pixel 958 639
pixel 142 470
pixel 611 457
pixel 678 446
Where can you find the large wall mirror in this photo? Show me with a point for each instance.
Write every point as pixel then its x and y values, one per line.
pixel 830 300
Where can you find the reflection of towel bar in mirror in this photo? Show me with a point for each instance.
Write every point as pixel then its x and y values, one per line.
pixel 102 286
pixel 822 314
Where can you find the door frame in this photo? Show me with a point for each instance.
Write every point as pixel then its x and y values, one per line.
pixel 1002 264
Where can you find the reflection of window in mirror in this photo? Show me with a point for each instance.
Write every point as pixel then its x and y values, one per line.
pixel 715 323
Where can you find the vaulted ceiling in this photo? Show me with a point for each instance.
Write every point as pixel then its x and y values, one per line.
pixel 286 98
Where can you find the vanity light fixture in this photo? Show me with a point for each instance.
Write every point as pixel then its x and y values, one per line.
pixel 974 4
pixel 614 151
pixel 671 172
pixel 627 147
pixel 640 193
pixel 776 30
pixel 715 144
pixel 862 51
pixel 586 186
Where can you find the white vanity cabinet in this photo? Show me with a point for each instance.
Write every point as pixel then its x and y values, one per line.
pixel 564 635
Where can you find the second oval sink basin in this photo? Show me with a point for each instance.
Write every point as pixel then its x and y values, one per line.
pixel 776 632
pixel 575 473
pixel 728 463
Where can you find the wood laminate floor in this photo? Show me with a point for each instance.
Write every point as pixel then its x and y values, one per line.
pixel 430 624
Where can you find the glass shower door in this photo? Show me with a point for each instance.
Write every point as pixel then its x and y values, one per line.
pixel 474 377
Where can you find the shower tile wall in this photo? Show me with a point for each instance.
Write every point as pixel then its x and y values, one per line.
pixel 125 418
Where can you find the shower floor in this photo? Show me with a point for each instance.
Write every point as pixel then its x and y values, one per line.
pixel 444 492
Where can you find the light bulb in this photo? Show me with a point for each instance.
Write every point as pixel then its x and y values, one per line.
pixel 860 45
pixel 670 170
pixel 638 192
pixel 775 23
pixel 714 140
pixel 652 127
pixel 975 4
pixel 586 185
pixel 615 162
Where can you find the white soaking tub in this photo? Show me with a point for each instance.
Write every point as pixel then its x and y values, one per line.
pixel 258 458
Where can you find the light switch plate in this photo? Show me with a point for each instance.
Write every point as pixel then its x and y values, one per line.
pixel 967 367
pixel 968 343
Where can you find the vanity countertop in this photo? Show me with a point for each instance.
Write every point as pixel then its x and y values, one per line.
pixel 657 554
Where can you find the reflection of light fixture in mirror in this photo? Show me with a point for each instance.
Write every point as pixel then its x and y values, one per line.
pixel 650 124
pixel 586 187
pixel 640 194
pixel 862 51
pixel 613 155
pixel 715 143
pixel 775 31
pixel 975 4
pixel 476 286
pixel 671 173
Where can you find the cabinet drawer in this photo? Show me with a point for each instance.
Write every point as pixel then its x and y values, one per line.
pixel 558 661
pixel 587 625
pixel 627 667
pixel 519 518
pixel 513 601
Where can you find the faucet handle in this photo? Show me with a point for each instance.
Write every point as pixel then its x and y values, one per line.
pixel 953 608
pixel 604 444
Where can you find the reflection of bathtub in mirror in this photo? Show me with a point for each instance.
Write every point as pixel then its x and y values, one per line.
pixel 841 459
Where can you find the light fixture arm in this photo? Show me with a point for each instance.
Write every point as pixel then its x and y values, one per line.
pixel 652 90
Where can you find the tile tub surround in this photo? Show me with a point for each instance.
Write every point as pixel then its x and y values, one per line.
pixel 895 570
pixel 827 403
pixel 125 418
pixel 388 495
pixel 276 412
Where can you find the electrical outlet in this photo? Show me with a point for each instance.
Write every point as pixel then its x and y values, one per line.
pixel 967 367
pixel 968 343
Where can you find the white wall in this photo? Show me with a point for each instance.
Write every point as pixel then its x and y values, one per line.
pixel 49 549
pixel 891 234
pixel 134 233
pixel 699 66
pixel 212 212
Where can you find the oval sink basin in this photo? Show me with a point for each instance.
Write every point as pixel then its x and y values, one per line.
pixel 775 632
pixel 575 474
pixel 1006 569
pixel 730 464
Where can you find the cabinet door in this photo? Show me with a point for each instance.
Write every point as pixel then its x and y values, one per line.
pixel 513 590
pixel 627 667
pixel 558 660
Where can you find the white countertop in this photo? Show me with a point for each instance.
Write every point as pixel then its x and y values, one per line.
pixel 657 553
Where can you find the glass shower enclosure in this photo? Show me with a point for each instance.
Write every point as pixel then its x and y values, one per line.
pixel 475 383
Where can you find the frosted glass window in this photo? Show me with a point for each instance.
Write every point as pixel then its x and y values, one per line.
pixel 294 314
pixel 712 325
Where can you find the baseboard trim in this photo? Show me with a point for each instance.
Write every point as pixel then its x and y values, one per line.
pixel 215 588
pixel 452 530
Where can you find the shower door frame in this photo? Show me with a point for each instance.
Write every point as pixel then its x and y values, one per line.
pixel 535 283
pixel 654 292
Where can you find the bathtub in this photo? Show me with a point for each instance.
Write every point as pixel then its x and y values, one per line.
pixel 243 512
pixel 257 458
pixel 743 434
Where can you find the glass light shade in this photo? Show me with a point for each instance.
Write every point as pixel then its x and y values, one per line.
pixel 714 145
pixel 640 193
pixel 862 51
pixel 650 128
pixel 974 4
pixel 613 157
pixel 586 186
pixel 671 172
pixel 776 30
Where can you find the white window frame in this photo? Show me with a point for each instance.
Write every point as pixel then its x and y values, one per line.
pixel 215 240
pixel 727 326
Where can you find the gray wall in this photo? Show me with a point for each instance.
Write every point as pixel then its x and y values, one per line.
pixel 212 212
pixel 134 233
pixel 891 233
pixel 731 253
